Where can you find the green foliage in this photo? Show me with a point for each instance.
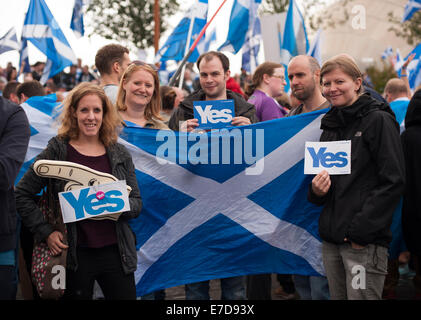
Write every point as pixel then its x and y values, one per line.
pixel 409 30
pixel 380 76
pixel 129 21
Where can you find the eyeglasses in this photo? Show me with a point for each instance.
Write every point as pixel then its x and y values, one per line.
pixel 279 77
pixel 141 63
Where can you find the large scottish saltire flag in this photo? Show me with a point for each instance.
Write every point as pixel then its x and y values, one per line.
pixel 294 39
pixel 214 211
pixel 219 204
pixel 240 22
pixel 42 30
pixel 9 41
pixel 410 8
pixel 175 46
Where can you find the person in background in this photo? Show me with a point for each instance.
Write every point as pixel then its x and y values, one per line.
pixel 170 99
pixel 358 207
pixel 101 250
pixel 111 61
pixel 268 83
pixel 14 140
pixel 29 89
pixel 10 91
pixel 411 210
pixel 138 98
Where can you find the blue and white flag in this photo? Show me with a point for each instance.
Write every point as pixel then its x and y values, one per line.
pixel 410 8
pixel 315 50
pixel 76 23
pixel 42 30
pixel 294 40
pixel 225 203
pixel 9 41
pixel 251 46
pixel 387 52
pixel 413 69
pixel 175 46
pixel 239 24
pixel 42 111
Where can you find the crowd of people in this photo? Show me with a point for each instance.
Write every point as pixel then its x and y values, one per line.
pixel 364 213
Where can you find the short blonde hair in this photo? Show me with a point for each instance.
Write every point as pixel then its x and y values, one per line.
pixel 346 65
pixel 152 110
pixel 108 133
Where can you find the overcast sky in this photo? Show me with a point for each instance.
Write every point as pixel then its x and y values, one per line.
pixel 12 14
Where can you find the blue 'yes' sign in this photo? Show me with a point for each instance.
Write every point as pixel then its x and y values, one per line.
pixel 94 201
pixel 332 156
pixel 214 114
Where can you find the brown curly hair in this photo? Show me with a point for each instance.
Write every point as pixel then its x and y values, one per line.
pixel 108 133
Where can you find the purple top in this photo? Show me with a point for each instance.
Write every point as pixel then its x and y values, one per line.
pixel 93 233
pixel 267 108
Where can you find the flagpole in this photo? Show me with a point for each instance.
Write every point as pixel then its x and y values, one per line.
pixel 192 16
pixel 157 25
pixel 187 56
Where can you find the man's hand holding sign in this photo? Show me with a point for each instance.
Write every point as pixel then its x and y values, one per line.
pixel 213 114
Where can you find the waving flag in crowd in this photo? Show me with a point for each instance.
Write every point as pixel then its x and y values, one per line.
pixel 9 41
pixel 42 30
pixel 76 24
pixel 175 46
pixel 410 8
pixel 413 69
pixel 203 221
pixel 315 50
pixel 294 40
pixel 251 45
pixel 387 52
pixel 239 24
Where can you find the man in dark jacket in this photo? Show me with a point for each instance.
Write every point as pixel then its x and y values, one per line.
pixel 214 72
pixel 14 139
pixel 411 211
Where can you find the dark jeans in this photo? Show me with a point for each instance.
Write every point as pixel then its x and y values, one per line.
pixel 8 283
pixel 104 266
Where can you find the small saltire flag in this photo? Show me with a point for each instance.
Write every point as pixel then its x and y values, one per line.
pixel 42 30
pixel 23 59
pixel 414 68
pixel 294 40
pixel 251 45
pixel 9 41
pixel 239 24
pixel 315 50
pixel 41 112
pixel 76 23
pixel 410 8
pixel 387 52
pixel 175 46
pixel 216 205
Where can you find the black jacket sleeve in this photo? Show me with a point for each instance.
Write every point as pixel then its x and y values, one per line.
pixel 385 146
pixel 14 140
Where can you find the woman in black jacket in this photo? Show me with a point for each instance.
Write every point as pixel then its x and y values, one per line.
pixel 358 207
pixel 102 250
